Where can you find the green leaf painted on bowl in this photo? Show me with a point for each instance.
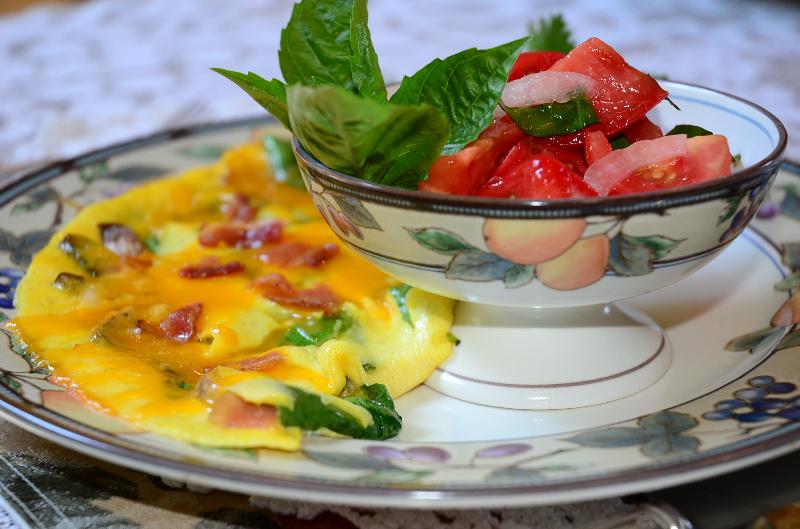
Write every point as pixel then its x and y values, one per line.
pixel 518 276
pixel 387 144
pixel 269 94
pixel 790 255
pixel 513 475
pixel 731 206
pixel 477 266
pixel 440 240
pixel 790 204
pixel 634 256
pixel 356 211
pixel 464 87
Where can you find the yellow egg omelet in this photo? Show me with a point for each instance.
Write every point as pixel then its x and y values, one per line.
pixel 217 307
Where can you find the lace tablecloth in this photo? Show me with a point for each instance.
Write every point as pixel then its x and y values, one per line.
pixel 80 76
pixel 83 75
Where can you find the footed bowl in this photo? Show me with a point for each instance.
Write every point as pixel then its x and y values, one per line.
pixel 539 280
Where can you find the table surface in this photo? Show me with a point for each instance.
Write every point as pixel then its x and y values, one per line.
pixel 80 76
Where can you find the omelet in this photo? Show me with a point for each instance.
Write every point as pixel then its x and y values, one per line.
pixel 217 307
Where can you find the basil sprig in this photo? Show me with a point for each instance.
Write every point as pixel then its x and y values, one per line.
pixel 551 34
pixel 335 101
pixel 385 143
pixel 465 87
pixel 554 118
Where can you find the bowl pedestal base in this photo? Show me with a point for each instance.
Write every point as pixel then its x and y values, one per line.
pixel 551 358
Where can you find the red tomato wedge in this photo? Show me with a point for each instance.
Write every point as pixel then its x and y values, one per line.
pixel 572 157
pixel 596 146
pixel 644 129
pixel 540 176
pixel 708 157
pixel 464 172
pixel 653 177
pixel 532 62
pixel 618 165
pixel 625 94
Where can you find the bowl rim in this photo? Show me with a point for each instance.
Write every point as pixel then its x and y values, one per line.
pixel 744 178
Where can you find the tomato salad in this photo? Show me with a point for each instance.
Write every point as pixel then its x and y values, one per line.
pixel 575 125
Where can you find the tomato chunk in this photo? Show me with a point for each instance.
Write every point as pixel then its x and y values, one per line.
pixel 653 177
pixel 596 146
pixel 644 129
pixel 618 165
pixel 708 157
pixel 464 172
pixel 625 94
pixel 539 176
pixel 532 62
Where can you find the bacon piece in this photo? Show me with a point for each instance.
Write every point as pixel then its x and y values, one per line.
pixel 239 209
pixel 241 235
pixel 210 266
pixel 297 254
pixel 260 363
pixel 232 411
pixel 180 325
pixel 278 289
pixel 120 239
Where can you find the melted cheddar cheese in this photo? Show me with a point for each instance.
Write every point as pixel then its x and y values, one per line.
pixel 84 335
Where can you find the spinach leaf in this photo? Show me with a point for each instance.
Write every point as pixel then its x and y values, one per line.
pixel 554 118
pixel 269 94
pixel 399 294
pixel 620 142
pixel 690 130
pixel 282 161
pixel 316 332
pixel 389 144
pixel 465 87
pixel 366 72
pixel 550 35
pixel 311 413
pixel 315 44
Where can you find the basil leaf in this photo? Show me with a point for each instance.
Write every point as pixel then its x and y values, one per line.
pixel 315 44
pixel 269 94
pixel 389 144
pixel 465 87
pixel 376 400
pixel 690 130
pixel 550 35
pixel 366 72
pixel 554 118
pixel 311 413
pixel 282 161
pixel 399 294
pixel 620 142
pixel 317 332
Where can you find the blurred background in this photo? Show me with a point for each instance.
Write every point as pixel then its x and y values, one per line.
pixel 77 75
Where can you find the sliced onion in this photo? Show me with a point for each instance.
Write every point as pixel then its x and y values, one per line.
pixel 617 165
pixel 547 87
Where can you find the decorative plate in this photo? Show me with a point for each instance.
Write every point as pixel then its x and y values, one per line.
pixel 731 397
